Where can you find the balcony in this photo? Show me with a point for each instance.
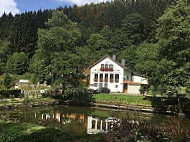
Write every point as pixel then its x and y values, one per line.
pixel 106 69
pixel 95 80
pixel 117 80
pixel 101 79
pixel 111 80
pixel 106 80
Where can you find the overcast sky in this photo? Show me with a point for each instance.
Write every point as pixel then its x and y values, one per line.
pixel 18 6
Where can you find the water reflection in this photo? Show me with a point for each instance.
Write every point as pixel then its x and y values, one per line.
pixel 97 125
pixel 81 120
pixel 92 124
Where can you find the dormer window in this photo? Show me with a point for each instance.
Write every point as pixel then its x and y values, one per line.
pixel 106 65
pixel 111 66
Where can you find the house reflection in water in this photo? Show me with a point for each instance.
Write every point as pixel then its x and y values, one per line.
pixel 79 123
pixel 98 125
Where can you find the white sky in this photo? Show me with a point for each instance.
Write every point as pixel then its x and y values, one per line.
pixel 8 6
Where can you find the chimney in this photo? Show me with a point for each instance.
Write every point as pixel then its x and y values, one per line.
pixel 123 62
pixel 114 57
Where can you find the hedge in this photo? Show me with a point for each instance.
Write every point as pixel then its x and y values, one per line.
pixel 10 94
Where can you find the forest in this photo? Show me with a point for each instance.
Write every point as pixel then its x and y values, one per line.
pixel 153 36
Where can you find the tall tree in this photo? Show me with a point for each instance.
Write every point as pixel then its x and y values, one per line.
pixel 57 49
pixel 18 63
pixel 167 62
pixel 135 27
pixel 173 37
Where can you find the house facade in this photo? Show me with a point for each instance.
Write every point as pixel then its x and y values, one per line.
pixel 109 73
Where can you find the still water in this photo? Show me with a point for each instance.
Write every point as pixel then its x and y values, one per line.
pixel 83 120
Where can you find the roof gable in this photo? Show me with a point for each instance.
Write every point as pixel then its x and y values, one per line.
pixel 87 71
pixel 105 58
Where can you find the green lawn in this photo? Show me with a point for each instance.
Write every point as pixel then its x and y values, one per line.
pixel 25 132
pixel 120 99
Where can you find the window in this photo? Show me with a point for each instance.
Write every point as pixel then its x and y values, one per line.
pixel 111 78
pixel 111 66
pixel 98 124
pixel 91 85
pixel 102 67
pixel 127 77
pixel 116 86
pixel 116 78
pixel 100 85
pixel 106 78
pixel 106 65
pixel 93 124
pixel 95 84
pixel 96 77
pixel 101 77
pixel 106 85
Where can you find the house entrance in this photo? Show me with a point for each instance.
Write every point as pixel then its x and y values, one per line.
pixel 125 88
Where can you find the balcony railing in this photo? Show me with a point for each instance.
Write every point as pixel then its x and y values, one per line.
pixel 111 80
pixel 95 80
pixel 106 69
pixel 106 80
pixel 116 80
pixel 101 79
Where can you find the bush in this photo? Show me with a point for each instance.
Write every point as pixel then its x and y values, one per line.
pixel 131 131
pixel 78 96
pixel 158 103
pixel 7 81
pixel 173 104
pixel 11 94
pixel 143 90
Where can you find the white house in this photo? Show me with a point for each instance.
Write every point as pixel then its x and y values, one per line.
pixel 109 73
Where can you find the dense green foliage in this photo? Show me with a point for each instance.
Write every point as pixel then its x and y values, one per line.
pixel 166 62
pixel 7 82
pixel 56 56
pixel 10 94
pixel 56 45
pixel 78 96
pixel 17 63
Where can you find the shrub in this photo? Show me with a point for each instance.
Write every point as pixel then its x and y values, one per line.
pixel 78 96
pixel 74 96
pixel 131 131
pixel 11 94
pixel 142 90
pixel 7 81
pixel 173 104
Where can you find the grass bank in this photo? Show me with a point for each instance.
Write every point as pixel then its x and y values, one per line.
pixel 25 132
pixel 121 99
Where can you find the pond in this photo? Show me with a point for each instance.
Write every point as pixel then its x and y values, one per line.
pixel 81 120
